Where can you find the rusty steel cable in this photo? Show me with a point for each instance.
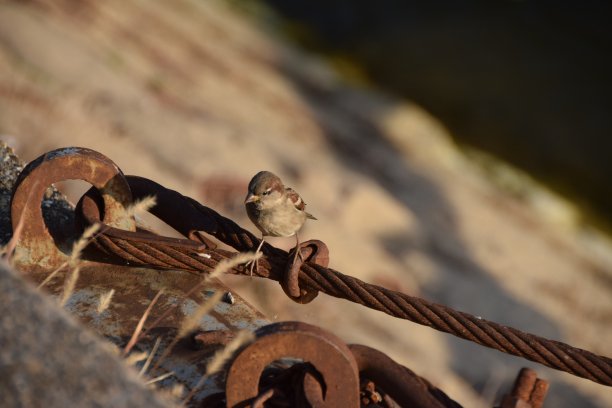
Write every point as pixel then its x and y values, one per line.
pixel 190 217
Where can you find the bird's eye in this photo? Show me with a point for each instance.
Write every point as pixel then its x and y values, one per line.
pixel 266 192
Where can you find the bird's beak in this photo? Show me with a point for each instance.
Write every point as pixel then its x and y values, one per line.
pixel 251 198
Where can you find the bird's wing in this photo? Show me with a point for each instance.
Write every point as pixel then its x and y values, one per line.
pixel 297 201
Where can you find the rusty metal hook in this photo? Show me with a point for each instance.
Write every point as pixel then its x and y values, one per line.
pixel 314 251
pixel 326 352
pixel 36 246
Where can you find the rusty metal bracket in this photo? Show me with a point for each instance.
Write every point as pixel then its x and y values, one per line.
pixel 528 391
pixel 328 354
pixel 36 246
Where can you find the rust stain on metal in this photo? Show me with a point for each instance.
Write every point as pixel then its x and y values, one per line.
pixel 213 338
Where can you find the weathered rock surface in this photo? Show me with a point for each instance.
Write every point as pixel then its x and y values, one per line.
pixel 48 360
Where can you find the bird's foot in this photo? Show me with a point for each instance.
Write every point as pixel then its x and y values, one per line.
pixel 297 253
pixel 315 252
pixel 254 265
pixel 255 262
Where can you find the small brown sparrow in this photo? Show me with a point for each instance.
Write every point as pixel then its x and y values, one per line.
pixel 276 210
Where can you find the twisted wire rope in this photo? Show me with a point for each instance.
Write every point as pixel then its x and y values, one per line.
pixel 187 215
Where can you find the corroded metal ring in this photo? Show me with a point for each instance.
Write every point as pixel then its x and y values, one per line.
pixel 75 163
pixel 326 352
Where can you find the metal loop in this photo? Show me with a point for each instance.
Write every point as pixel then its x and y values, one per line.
pixel 326 352
pixel 36 246
pixel 313 251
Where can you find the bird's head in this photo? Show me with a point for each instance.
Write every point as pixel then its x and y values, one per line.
pixel 265 189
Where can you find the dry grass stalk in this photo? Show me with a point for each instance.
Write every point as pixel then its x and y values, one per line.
pixel 172 393
pixel 69 284
pixel 219 359
pixel 143 319
pixel 222 355
pixel 222 267
pixel 133 358
pixel 189 323
pixel 75 254
pixel 177 390
pixel 105 300
pixel 89 233
pixel 145 366
pixel 160 378
pixel 73 260
pixel 9 248
pixel 227 264
pixel 77 250
pixel 81 243
pixel 52 275
pixel 140 206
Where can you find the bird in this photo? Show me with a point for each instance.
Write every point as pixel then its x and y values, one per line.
pixel 276 210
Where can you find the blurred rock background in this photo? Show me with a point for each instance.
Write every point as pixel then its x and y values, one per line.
pixel 528 81
pixel 199 95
